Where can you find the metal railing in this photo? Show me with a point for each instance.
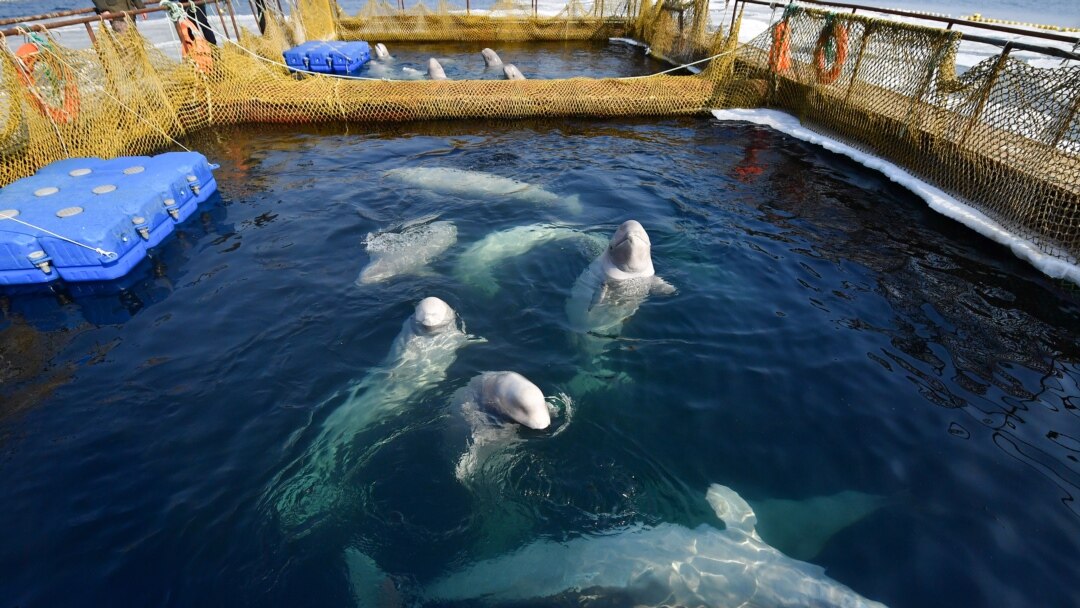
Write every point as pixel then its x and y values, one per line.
pixel 88 16
pixel 1007 45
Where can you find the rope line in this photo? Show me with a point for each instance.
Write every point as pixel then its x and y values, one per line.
pixel 98 250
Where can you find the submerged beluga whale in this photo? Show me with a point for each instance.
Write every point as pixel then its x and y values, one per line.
pixel 476 266
pixel 612 289
pixel 423 350
pixel 662 565
pixel 406 249
pixel 478 185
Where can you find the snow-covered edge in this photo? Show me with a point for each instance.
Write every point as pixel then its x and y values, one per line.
pixel 937 200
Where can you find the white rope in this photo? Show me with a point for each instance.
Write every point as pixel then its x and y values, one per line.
pixel 679 67
pixel 98 250
pixel 122 104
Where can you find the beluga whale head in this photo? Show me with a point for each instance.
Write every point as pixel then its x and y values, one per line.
pixel 630 252
pixel 512 395
pixel 433 315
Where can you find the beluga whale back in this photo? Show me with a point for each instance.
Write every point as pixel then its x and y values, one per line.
pixel 478 185
pixel 662 565
pixel 406 249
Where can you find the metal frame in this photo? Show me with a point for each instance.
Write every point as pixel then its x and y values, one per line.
pixel 951 21
pixel 25 23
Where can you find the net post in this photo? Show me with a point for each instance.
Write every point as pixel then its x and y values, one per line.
pixel 985 95
pixel 90 32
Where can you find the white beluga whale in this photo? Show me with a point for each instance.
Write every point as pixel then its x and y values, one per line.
pixel 662 565
pixel 611 290
pixel 476 265
pixel 406 249
pixel 381 52
pixel 423 350
pixel 435 70
pixel 491 58
pixel 512 73
pixel 478 185
pixel 495 405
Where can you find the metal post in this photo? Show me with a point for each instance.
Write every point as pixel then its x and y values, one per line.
pixel 217 9
pixel 90 31
pixel 985 96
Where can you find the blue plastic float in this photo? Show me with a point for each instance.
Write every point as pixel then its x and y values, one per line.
pixel 87 219
pixel 328 57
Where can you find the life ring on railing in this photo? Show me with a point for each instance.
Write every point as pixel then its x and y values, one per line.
pixel 780 51
pixel 194 46
pixel 833 35
pixel 68 110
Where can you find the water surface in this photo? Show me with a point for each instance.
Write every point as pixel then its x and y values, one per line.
pixel 829 333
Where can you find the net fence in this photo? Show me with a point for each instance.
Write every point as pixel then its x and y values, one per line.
pixel 1003 136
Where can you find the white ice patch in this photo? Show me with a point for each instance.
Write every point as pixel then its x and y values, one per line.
pixel 937 199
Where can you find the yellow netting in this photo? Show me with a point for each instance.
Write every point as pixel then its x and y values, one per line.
pixel 1004 135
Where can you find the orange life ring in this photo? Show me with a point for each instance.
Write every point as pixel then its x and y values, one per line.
pixel 194 46
pixel 827 74
pixel 27 55
pixel 780 52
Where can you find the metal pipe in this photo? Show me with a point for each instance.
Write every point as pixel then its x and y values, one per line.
pixel 232 17
pixel 90 32
pixel 42 27
pixel 224 28
pixel 964 22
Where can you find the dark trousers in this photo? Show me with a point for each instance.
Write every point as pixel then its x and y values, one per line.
pixel 198 12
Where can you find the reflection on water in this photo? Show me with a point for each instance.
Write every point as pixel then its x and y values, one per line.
pixel 829 336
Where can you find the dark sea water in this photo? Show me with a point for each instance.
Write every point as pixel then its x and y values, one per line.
pixel 829 333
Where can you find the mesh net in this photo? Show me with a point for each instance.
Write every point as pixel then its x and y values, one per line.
pixel 1004 136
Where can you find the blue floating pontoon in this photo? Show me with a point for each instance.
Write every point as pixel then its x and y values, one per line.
pixel 87 219
pixel 328 57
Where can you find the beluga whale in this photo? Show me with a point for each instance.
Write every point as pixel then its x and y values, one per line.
pixel 491 58
pixel 406 248
pixel 478 185
pixel 662 565
pixel 476 265
pixel 435 70
pixel 612 289
pixel 381 52
pixel 512 72
pixel 427 345
pixel 495 405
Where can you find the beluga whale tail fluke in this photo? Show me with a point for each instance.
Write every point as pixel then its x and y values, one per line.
pixel 478 185
pixel 662 565
pixel 406 249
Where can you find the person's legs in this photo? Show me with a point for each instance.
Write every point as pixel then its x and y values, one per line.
pixel 204 24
